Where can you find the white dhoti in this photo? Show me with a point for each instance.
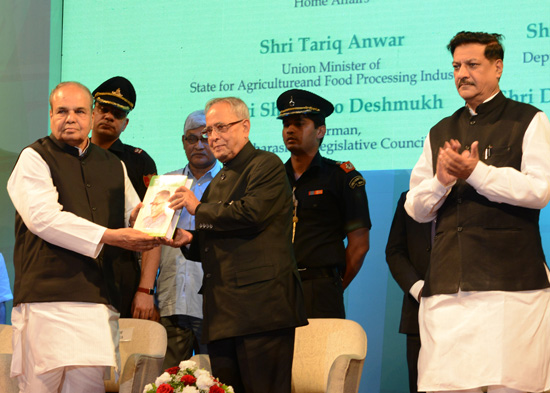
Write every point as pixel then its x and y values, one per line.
pixel 474 339
pixel 48 336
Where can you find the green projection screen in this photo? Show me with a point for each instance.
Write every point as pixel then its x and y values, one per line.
pixel 383 63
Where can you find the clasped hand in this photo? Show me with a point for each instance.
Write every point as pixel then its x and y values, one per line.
pixel 452 165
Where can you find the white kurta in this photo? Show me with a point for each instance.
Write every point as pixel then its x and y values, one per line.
pixel 60 333
pixel 474 339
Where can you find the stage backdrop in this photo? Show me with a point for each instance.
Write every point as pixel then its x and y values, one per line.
pixel 382 63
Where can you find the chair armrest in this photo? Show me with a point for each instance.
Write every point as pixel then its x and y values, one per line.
pixel 9 384
pixel 345 374
pixel 138 371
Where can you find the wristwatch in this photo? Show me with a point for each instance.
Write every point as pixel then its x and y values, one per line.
pixel 149 291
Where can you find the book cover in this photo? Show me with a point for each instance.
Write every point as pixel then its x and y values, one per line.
pixel 155 217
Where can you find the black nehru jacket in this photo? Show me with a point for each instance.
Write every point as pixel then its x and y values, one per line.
pixel 48 273
pixel 481 245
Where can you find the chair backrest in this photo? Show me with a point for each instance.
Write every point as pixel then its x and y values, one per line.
pixel 6 332
pixel 317 347
pixel 141 337
pixel 147 337
pixel 7 384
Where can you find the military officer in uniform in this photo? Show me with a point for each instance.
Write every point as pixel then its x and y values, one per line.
pixel 113 101
pixel 330 204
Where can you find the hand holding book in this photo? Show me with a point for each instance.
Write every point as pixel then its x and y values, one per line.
pixel 156 217
pixel 181 238
pixel 130 239
pixel 184 198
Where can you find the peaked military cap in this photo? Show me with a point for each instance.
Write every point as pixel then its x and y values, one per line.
pixel 118 92
pixel 296 101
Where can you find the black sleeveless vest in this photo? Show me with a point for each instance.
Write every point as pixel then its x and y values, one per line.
pixel 92 187
pixel 481 245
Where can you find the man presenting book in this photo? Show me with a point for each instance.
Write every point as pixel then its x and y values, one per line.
pixel 71 224
pixel 179 279
pixel 252 294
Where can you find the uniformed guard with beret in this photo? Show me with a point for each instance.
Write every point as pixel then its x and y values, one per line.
pixel 330 204
pixel 114 99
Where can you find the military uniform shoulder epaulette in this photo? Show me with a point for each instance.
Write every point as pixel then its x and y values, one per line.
pixel 356 181
pixel 132 149
pixel 331 162
pixel 346 166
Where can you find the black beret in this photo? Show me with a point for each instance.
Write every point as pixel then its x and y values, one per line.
pixel 296 101
pixel 118 92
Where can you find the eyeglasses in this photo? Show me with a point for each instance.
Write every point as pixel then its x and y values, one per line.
pixel 192 139
pixel 220 128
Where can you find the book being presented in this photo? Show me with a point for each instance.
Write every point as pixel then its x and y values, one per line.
pixel 155 217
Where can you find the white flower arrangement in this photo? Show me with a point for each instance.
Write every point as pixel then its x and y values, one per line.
pixel 187 378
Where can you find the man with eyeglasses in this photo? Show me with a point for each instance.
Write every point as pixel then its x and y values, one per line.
pixel 180 279
pixel 252 292
pixel 330 205
pixel 114 99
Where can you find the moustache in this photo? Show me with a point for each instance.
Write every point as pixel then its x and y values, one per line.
pixel 463 82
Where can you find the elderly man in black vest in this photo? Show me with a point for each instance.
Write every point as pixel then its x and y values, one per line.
pixel 484 176
pixel 71 227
